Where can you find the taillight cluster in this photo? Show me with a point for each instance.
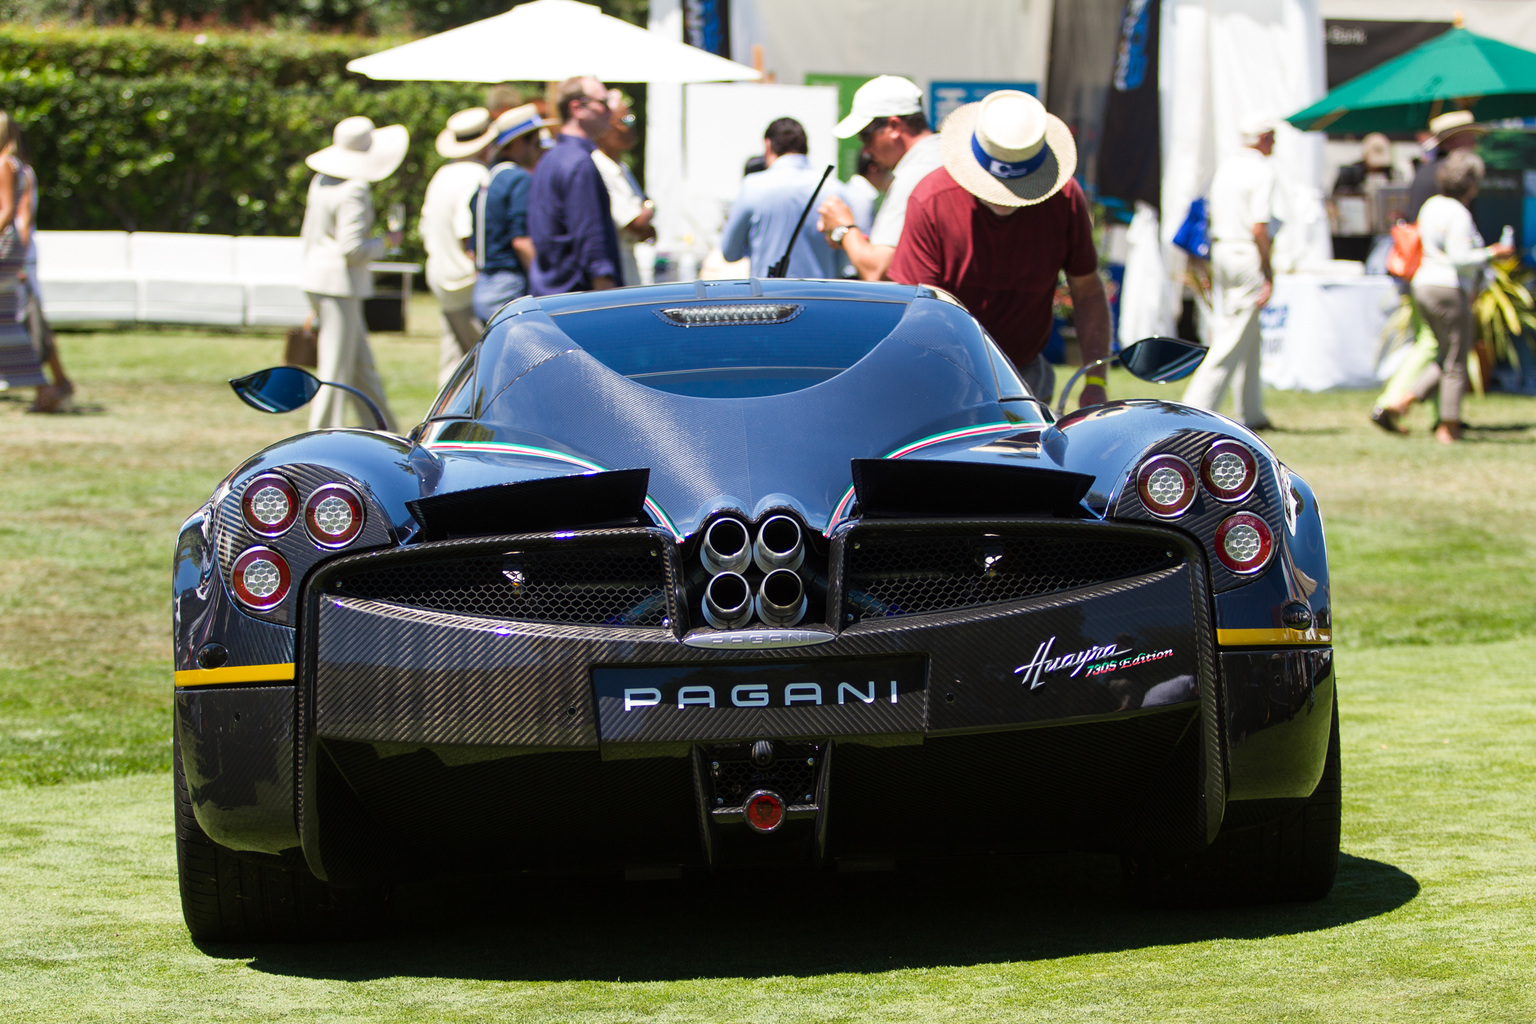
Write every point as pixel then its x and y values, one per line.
pixel 333 517
pixel 1229 471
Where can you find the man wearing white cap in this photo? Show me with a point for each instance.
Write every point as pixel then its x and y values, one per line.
pixel 338 245
pixel 1242 205
pixel 888 118
pixel 998 223
pixel 446 228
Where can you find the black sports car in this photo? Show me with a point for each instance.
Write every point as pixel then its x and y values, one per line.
pixel 740 574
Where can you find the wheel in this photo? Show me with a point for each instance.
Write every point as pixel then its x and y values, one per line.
pixel 228 896
pixel 1289 859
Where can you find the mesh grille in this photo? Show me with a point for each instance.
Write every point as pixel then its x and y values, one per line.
pixel 613 584
pixel 901 573
pixel 792 774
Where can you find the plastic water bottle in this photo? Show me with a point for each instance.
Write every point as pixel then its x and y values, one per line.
pixel 1508 236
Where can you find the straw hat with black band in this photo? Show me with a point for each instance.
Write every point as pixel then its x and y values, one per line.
pixel 1455 122
pixel 1008 150
pixel 359 150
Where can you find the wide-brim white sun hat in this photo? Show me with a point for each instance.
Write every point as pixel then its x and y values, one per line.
pixel 359 150
pixel 467 133
pixel 1007 149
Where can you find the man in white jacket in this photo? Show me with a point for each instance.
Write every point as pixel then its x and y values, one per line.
pixel 1242 205
pixel 338 245
pixel 446 226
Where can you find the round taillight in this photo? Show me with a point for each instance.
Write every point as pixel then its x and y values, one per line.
pixel 1229 470
pixel 269 505
pixel 1244 543
pixel 334 515
pixel 765 810
pixel 1167 485
pixel 261 578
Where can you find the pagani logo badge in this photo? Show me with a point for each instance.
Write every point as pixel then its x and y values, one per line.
pixel 1042 663
pixel 759 695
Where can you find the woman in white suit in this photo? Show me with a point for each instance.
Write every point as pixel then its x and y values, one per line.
pixel 338 245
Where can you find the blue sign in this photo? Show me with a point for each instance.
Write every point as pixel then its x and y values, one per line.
pixel 945 97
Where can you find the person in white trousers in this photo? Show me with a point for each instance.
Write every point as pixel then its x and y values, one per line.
pixel 446 230
pixel 338 245
pixel 1242 205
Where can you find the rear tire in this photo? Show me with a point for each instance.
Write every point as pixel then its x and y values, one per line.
pixel 1291 859
pixel 232 897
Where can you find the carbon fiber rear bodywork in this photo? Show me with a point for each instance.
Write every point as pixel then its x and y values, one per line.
pixel 997 647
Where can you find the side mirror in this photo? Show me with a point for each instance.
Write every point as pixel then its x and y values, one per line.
pixel 286 388
pixel 1161 360
pixel 1158 360
pixel 278 389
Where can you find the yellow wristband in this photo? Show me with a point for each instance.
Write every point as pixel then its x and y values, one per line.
pixel 1094 381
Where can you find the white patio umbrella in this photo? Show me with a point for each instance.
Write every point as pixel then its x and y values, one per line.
pixel 549 41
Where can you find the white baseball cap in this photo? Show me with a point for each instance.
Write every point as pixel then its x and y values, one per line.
pixel 1254 126
pixel 886 96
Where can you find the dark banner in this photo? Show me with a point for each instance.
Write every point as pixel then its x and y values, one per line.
pixel 1130 150
pixel 1351 48
pixel 707 25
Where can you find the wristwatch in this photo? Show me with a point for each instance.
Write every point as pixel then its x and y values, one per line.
pixel 838 233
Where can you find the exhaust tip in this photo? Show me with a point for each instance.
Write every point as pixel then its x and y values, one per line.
pixel 780 544
pixel 728 601
pixel 781 600
pixel 726 546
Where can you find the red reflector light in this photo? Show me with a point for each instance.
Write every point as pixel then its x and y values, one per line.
pixel 261 578
pixel 765 810
pixel 269 505
pixel 1166 485
pixel 334 515
pixel 1244 543
pixel 1229 470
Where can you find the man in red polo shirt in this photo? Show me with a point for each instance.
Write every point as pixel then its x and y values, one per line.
pixel 997 223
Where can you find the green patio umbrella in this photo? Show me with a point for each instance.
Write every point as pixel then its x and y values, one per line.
pixel 1458 70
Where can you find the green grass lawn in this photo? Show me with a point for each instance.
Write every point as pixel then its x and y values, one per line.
pixel 1433 917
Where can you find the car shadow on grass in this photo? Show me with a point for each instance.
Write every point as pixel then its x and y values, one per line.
pixel 951 914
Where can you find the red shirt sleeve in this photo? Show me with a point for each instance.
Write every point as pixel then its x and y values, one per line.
pixel 919 253
pixel 1082 257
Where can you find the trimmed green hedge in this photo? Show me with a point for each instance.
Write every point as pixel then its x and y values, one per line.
pixel 146 130
pixel 282 58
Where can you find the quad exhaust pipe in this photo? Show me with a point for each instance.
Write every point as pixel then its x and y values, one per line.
pixel 726 551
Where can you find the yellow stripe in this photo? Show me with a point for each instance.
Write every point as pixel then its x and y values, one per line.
pixel 1283 635
pixel 235 674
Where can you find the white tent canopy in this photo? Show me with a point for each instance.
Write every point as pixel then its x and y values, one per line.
pixel 549 41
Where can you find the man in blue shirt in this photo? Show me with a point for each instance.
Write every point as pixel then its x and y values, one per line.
pixel 769 207
pixel 503 250
pixel 576 245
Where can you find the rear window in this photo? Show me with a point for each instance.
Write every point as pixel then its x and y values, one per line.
pixel 743 349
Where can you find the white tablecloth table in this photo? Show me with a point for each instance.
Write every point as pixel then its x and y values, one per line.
pixel 1323 332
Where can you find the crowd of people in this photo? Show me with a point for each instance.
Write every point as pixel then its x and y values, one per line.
pixel 526 204
pixel 986 208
